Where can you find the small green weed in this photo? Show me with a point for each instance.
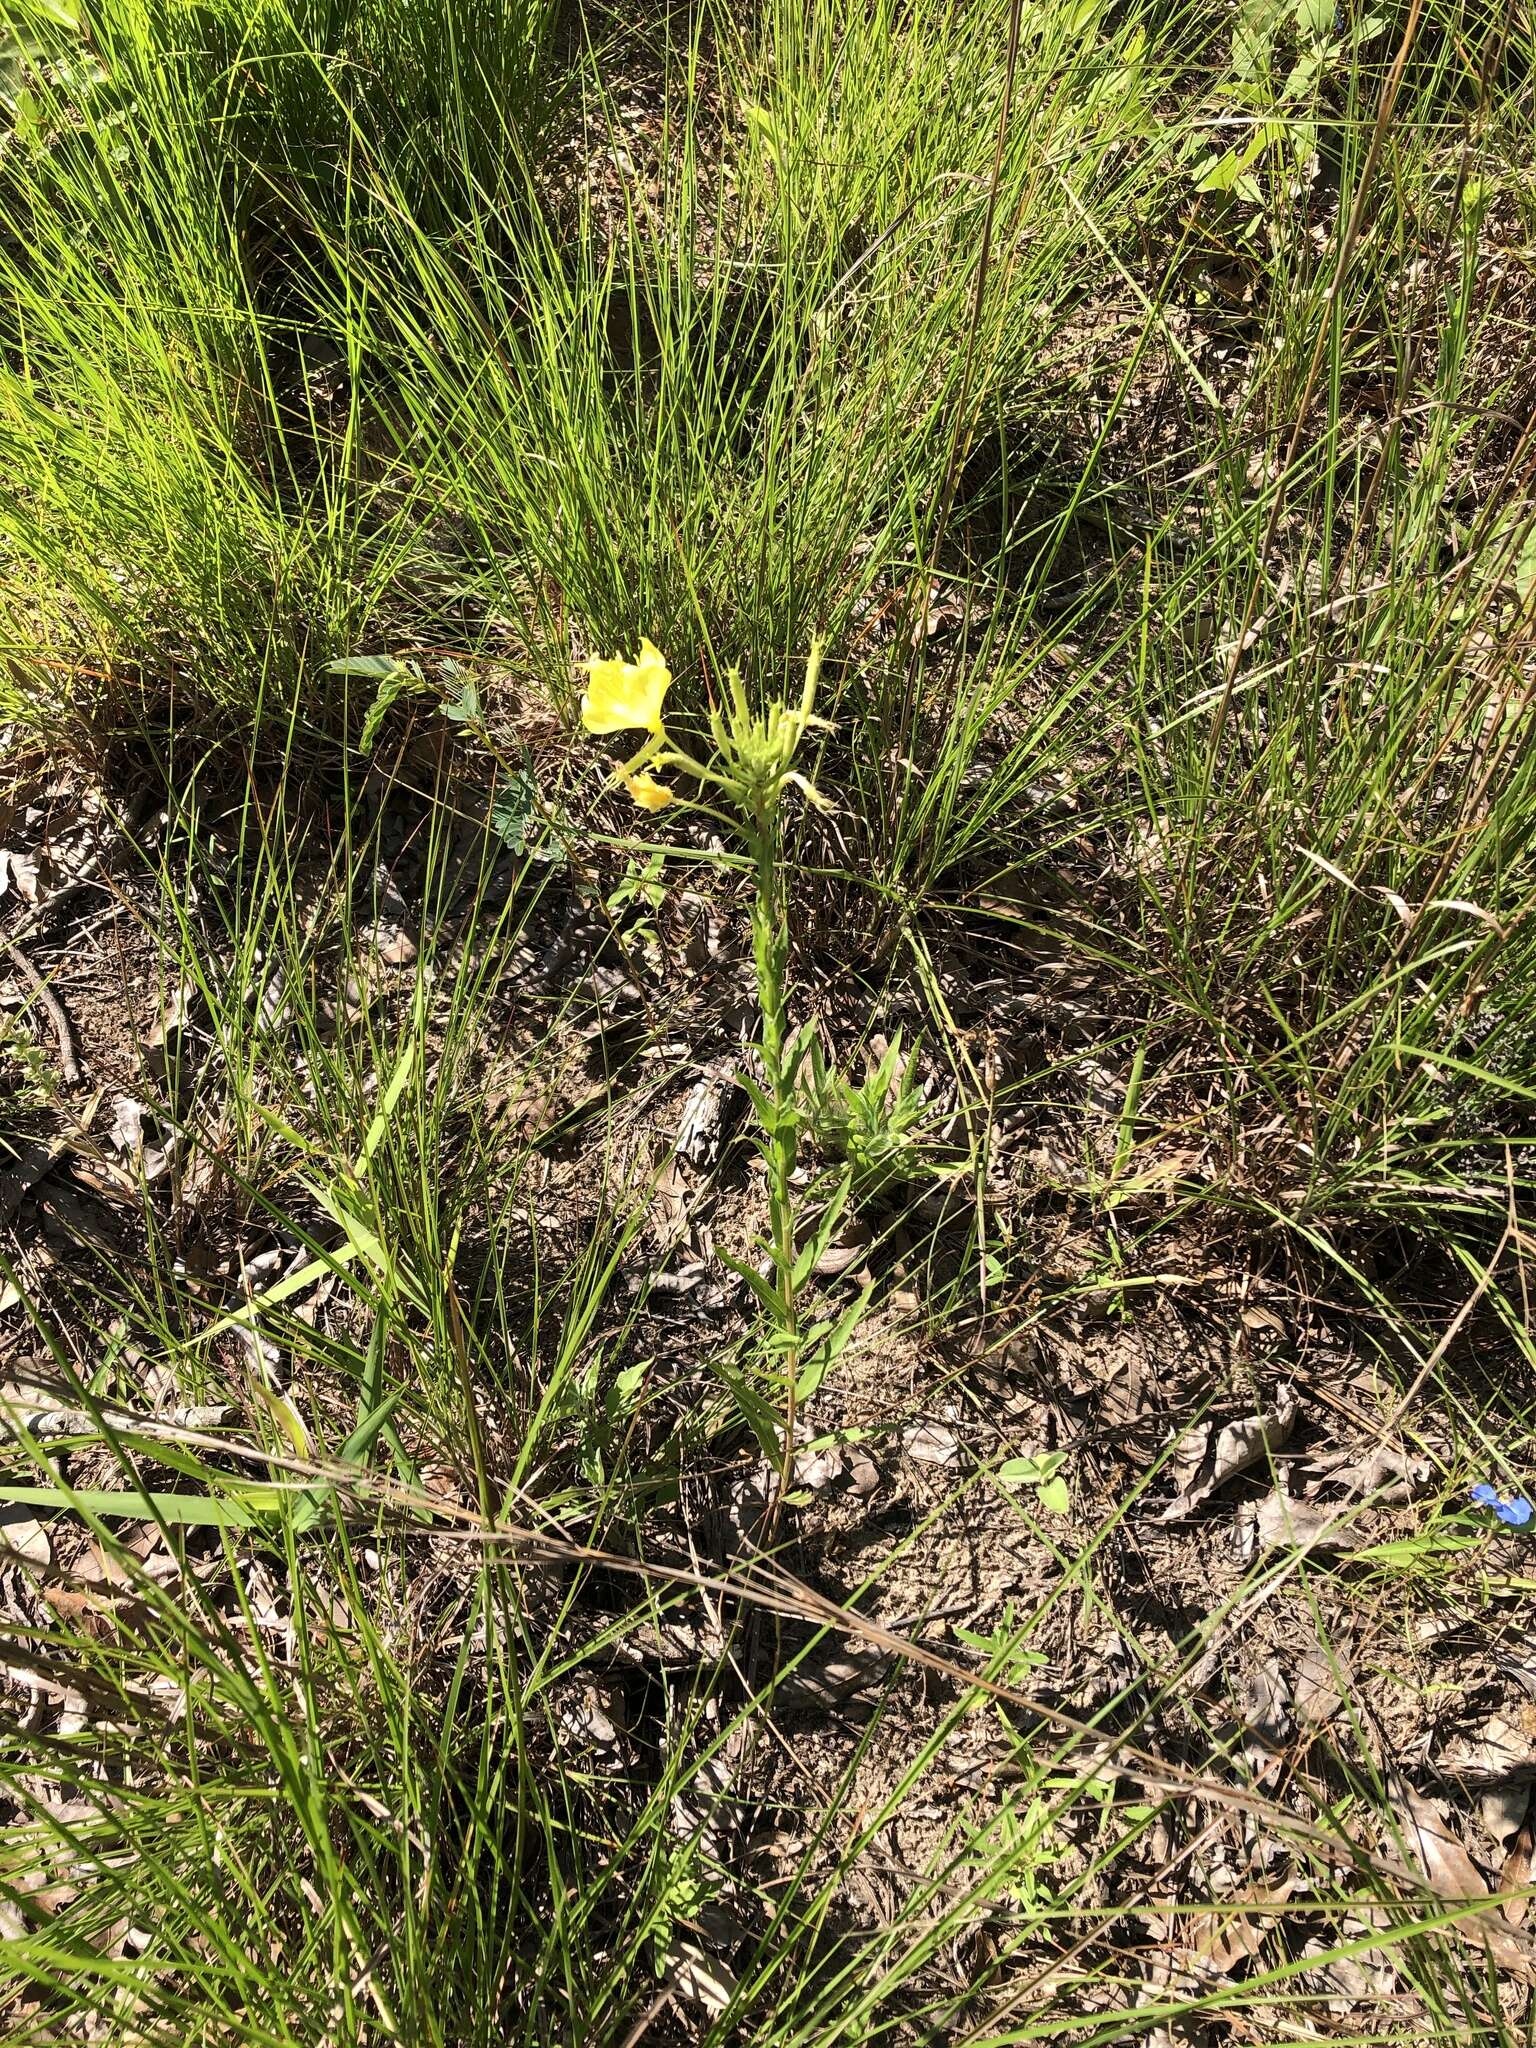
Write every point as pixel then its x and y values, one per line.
pixel 880 1128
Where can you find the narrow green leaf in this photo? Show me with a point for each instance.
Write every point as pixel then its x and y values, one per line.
pixel 360 1442
pixel 760 1416
pixel 190 1509
pixel 389 1101
pixel 821 1236
pixel 765 1291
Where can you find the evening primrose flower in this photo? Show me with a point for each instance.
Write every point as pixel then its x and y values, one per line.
pixel 647 792
pixel 754 755
pixel 622 695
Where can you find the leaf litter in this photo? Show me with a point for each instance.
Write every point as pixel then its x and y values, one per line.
pixel 880 1476
pixel 1452 1875
pixel 1206 1458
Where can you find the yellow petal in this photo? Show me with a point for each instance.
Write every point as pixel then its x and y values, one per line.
pixel 622 694
pixel 647 792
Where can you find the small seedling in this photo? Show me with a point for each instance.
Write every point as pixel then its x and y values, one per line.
pixel 1043 1474
pixel 873 1126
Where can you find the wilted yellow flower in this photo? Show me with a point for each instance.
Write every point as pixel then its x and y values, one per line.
pixel 647 792
pixel 621 695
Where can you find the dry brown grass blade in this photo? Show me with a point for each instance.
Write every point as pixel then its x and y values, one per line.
pixel 53 1010
pixel 766 1586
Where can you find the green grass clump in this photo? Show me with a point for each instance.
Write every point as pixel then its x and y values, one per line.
pixel 196 517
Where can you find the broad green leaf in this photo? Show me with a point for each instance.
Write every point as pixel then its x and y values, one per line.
pixel 1253 35
pixel 312 1502
pixel 1525 566
pixel 514 810
pixel 465 708
pixel 28 115
pixel 393 678
pixel 1218 173
pixel 364 1241
pixel 360 1442
pixel 62 13
pixel 287 1417
pixel 1054 1496
pixel 765 133
pixel 1019 1472
pixel 1301 81
pixel 1030 1471
pixel 627 1384
pixel 373 667
pixel 283 1290
pixel 188 1509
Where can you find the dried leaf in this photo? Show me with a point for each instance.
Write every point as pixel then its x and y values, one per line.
pixel 1388 1473
pixel 1235 1940
pixel 930 1443
pixel 696 1278
pixel 1499 1749
pixel 33 1162
pixel 1266 1719
pixel 1392 1475
pixel 1217 1456
pixel 1286 1524
pixel 850 1249
pixel 815 1470
pixel 703 1980
pixel 18 871
pixel 673 1643
pixel 709 1807
pixel 863 1472
pixel 837 1679
pixel 161 1044
pixel 1503 1809
pixel 1516 1873
pixel 593 1720
pixel 712 1101
pixel 1316 1694
pixel 23 1537
pixel 1255 1318
pixel 1451 1874
pixel 126 1132
pixel 389 937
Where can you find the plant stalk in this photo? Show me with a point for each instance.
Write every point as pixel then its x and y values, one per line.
pixel 770 952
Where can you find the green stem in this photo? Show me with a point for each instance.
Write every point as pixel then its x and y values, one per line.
pixel 770 950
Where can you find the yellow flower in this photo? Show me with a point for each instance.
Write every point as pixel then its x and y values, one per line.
pixel 622 694
pixel 647 792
